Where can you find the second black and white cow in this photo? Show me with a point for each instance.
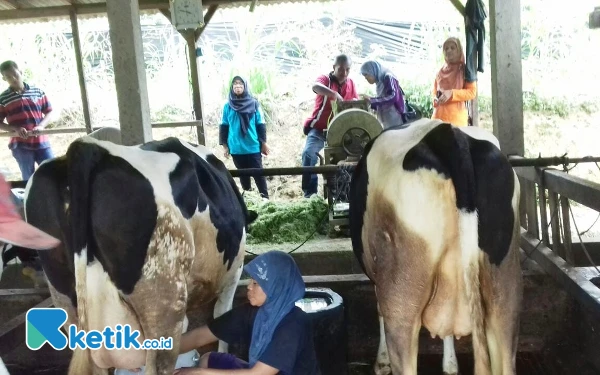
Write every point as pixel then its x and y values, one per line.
pixel 435 225
pixel 149 233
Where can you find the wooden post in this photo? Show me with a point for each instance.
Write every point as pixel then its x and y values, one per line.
pixel 543 205
pixel 85 104
pixel 507 85
pixel 459 6
pixel 566 225
pixel 130 71
pixel 555 224
pixel 190 38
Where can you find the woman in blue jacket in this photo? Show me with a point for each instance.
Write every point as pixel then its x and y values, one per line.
pixel 243 133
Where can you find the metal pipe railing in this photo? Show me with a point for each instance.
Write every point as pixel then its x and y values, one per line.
pixel 515 161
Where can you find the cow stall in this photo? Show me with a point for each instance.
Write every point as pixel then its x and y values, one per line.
pixel 559 318
pixel 559 321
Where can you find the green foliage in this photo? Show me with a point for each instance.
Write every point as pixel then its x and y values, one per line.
pixel 286 222
pixel 419 95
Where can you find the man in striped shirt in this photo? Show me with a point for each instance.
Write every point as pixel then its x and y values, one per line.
pixel 26 110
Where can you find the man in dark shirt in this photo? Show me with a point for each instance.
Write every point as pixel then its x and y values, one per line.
pixel 288 351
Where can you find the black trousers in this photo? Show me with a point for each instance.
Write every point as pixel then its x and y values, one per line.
pixel 251 161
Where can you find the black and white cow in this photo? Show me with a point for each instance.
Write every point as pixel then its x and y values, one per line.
pixel 150 232
pixel 435 225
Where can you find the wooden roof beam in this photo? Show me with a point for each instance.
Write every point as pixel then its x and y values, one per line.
pixel 459 6
pixel 65 10
pixel 207 17
pixel 12 3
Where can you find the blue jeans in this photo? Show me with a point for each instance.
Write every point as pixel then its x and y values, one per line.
pixel 27 158
pixel 315 141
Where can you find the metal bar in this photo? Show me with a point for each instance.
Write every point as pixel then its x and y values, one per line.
pixel 47 131
pixel 291 171
pixel 158 125
pixel 330 169
pixel 180 124
pixel 517 161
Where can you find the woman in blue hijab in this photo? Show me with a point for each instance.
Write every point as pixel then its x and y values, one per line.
pixel 389 102
pixel 243 133
pixel 278 333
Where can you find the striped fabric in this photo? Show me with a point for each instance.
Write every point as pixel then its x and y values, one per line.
pixel 25 110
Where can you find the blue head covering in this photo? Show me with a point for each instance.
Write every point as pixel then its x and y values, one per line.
pixel 375 69
pixel 245 105
pixel 279 277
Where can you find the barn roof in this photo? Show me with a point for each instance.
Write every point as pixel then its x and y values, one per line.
pixel 19 11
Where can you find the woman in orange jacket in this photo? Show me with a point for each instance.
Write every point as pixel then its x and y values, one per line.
pixel 450 90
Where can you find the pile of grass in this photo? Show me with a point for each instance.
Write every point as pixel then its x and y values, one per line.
pixel 286 222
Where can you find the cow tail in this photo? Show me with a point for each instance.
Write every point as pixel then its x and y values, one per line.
pixel 82 159
pixel 454 149
pixel 81 363
pixel 470 255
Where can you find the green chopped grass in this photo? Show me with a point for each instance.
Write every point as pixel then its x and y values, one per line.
pixel 286 222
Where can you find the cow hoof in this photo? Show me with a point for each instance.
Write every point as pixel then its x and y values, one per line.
pixel 383 369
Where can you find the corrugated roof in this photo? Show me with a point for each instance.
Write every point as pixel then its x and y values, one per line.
pixel 36 11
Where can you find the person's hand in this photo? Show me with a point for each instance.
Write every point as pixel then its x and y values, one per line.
pixel 36 131
pixel 366 97
pixel 264 149
pixel 446 96
pixel 226 151
pixel 22 133
pixel 188 371
pixel 337 97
